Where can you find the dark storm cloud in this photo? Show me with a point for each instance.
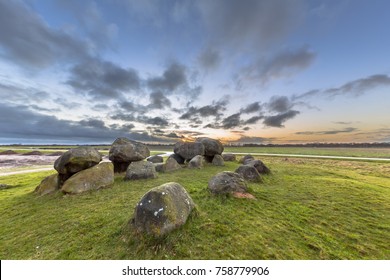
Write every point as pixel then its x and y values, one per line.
pixel 251 23
pixel 279 104
pixel 128 117
pixel 172 78
pixel 21 94
pixel 328 132
pixel 353 88
pixel 251 108
pixel 157 121
pixel 158 100
pixel 27 40
pixel 214 110
pixel 283 64
pixel 20 122
pixel 209 59
pixel 104 79
pixel 253 120
pixel 278 120
pixel 231 121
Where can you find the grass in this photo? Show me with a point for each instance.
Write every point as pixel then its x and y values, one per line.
pixel 306 209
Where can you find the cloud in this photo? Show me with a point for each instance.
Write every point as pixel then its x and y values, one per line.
pixel 278 120
pixel 254 140
pixel 251 108
pixel 214 110
pixel 353 88
pixel 279 104
pixel 172 78
pixel 25 39
pixel 253 120
pixel 21 123
pixel 104 79
pixel 232 121
pixel 209 59
pixel 158 100
pixel 328 132
pixel 157 121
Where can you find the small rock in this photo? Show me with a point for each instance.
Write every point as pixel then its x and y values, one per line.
pixel 155 159
pixel 196 162
pixel 48 185
pixel 229 157
pixel 227 182
pixel 178 158
pixel 141 170
pixel 171 165
pixel 249 173
pixel 159 167
pixel 246 159
pixel 260 166
pixel 218 161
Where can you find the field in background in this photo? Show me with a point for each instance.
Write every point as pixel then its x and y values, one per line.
pixel 306 209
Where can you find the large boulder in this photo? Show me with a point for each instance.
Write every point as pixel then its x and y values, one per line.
pixel 76 160
pixel 211 146
pixel 246 159
pixel 229 157
pixel 196 162
pixel 124 151
pixel 48 185
pixel 141 170
pixel 188 150
pixel 162 210
pixel 218 161
pixel 178 158
pixel 155 159
pixel 260 166
pixel 171 165
pixel 227 182
pixel 96 177
pixel 249 173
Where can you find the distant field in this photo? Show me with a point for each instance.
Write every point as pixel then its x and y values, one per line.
pixel 305 209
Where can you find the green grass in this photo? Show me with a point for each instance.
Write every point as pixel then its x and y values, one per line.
pixel 306 209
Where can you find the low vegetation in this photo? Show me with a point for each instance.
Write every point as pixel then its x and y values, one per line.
pixel 305 209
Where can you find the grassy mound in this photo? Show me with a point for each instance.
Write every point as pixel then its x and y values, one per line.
pixel 305 209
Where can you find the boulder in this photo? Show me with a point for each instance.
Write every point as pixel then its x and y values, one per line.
pixel 178 158
pixel 196 162
pixel 229 157
pixel 188 150
pixel 249 173
pixel 260 166
pixel 218 161
pixel 124 151
pixel 159 167
pixel 94 178
pixel 227 182
pixel 211 146
pixel 76 160
pixel 246 159
pixel 155 159
pixel 141 170
pixel 162 210
pixel 48 185
pixel 171 165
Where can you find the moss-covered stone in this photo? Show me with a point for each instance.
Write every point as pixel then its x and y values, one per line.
pixel 227 182
pixel 141 170
pixel 162 210
pixel 96 177
pixel 48 185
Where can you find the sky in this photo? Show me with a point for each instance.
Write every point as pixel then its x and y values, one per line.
pixel 250 71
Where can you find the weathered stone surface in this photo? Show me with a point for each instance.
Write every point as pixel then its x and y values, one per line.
pixel 211 146
pixel 162 210
pixel 159 167
pixel 123 151
pixel 249 173
pixel 48 185
pixel 227 182
pixel 196 162
pixel 96 177
pixel 179 159
pixel 218 161
pixel 260 166
pixel 188 150
pixel 76 160
pixel 246 159
pixel 141 170
pixel 229 157
pixel 155 159
pixel 171 165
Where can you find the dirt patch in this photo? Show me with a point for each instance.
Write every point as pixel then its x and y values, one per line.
pixel 12 161
pixel 33 153
pixel 8 152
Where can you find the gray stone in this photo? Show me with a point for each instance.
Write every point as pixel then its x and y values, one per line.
pixel 249 173
pixel 171 165
pixel 211 146
pixel 260 166
pixel 123 151
pixel 246 159
pixel 218 161
pixel 159 167
pixel 229 157
pixel 188 150
pixel 155 159
pixel 196 162
pixel 141 170
pixel 48 185
pixel 162 210
pixel 178 158
pixel 94 178
pixel 227 182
